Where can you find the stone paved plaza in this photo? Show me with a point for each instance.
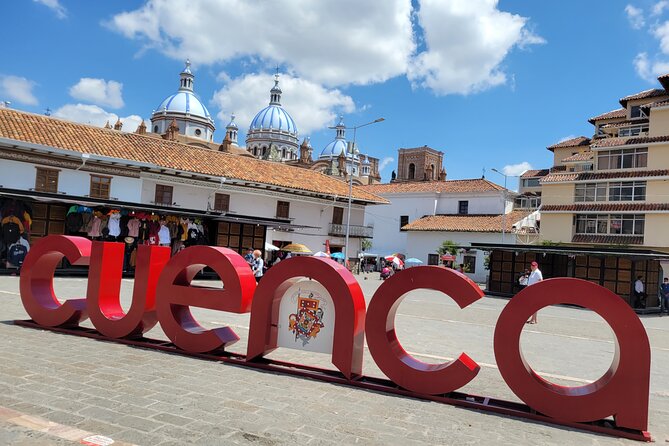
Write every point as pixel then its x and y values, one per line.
pixel 52 384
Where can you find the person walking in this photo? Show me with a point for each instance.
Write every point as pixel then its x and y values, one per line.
pixel 664 296
pixel 258 265
pixel 534 278
pixel 249 257
pixel 639 293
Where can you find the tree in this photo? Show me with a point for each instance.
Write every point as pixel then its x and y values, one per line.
pixel 365 244
pixel 448 247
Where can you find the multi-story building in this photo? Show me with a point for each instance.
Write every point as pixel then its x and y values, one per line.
pixel 423 213
pixel 610 194
pixel 57 176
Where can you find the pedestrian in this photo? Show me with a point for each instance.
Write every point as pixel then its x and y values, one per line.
pixel 258 265
pixel 249 256
pixel 534 278
pixel 639 293
pixel 461 268
pixel 664 296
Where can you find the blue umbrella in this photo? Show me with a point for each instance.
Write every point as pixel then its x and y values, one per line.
pixel 413 260
pixel 337 255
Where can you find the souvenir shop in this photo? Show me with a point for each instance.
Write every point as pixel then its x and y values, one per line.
pixel 611 268
pixel 27 219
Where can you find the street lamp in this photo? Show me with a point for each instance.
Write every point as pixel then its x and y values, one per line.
pixel 504 211
pixel 352 149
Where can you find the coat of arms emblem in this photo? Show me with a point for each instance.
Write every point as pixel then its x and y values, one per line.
pixel 307 321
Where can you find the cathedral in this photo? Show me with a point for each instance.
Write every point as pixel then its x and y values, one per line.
pixel 272 134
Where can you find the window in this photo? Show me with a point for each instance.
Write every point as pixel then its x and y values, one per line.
pixel 198 132
pixel 590 192
pixel 282 209
pixel 531 182
pixel 627 191
pixel 163 195
pixel 404 220
pixel 636 112
pixel 222 202
pixel 622 159
pixel 46 180
pixel 635 130
pixel 463 207
pixel 100 186
pixel 155 129
pixel 469 261
pixel 624 224
pixel 337 215
pixel 433 259
pixel 412 171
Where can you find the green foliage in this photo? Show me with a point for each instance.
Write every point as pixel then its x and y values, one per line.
pixel 365 244
pixel 550 243
pixel 447 247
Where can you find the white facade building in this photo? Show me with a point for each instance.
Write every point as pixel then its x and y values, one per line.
pixel 465 204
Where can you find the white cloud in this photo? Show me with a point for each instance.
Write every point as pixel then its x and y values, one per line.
pixel 385 162
pixel 339 42
pixel 98 91
pixel 659 7
pixel 467 41
pixel 18 89
pixel 333 42
pixel 516 169
pixel 94 115
pixel 566 138
pixel 55 6
pixel 650 69
pixel 311 105
pixel 635 16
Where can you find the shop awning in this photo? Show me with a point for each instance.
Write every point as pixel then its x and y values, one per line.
pixel 646 254
pixel 47 197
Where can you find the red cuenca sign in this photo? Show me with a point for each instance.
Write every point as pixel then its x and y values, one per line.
pixel 163 294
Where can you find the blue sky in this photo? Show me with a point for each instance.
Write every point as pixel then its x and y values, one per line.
pixel 489 83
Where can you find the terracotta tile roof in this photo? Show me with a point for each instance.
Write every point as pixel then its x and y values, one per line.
pixel 573 142
pixel 449 186
pixel 656 104
pixel 652 93
pixel 615 142
pixel 593 176
pixel 608 239
pixel 613 114
pixel 535 173
pixel 466 223
pixel 605 207
pixel 51 132
pixel 583 156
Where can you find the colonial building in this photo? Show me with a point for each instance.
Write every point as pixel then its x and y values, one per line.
pixel 423 214
pixel 58 177
pixel 604 203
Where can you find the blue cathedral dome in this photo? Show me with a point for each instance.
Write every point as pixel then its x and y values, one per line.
pixel 339 145
pixel 274 117
pixel 186 102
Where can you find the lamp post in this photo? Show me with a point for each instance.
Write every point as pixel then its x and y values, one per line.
pixel 352 149
pixel 504 210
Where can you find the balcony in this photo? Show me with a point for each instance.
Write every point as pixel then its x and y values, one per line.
pixel 355 231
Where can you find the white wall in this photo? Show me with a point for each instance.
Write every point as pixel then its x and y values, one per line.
pixel 420 244
pixel 18 175
pixel 388 238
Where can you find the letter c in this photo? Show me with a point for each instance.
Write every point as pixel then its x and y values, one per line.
pixel 36 281
pixel 402 368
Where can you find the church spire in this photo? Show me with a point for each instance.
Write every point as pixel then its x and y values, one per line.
pixel 341 128
pixel 187 77
pixel 275 92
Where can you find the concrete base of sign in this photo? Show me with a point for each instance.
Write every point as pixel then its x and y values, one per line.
pixel 519 410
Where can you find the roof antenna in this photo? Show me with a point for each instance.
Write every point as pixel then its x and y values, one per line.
pixel 483 176
pixel 47 112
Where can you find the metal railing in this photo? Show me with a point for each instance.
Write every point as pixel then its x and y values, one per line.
pixel 354 230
